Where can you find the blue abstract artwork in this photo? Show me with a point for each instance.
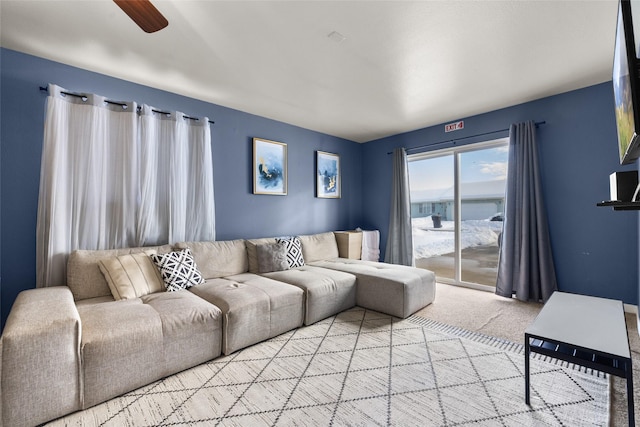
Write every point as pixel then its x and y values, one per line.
pixel 327 175
pixel 269 167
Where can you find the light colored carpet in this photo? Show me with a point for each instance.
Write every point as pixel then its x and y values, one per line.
pixel 490 314
pixel 365 368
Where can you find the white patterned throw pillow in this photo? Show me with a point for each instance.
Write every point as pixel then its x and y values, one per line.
pixel 178 270
pixel 294 250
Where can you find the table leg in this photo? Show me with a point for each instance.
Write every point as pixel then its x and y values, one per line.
pixel 526 368
pixel 630 410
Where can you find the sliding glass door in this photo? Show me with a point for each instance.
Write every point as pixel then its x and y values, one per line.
pixel 457 207
pixel 431 182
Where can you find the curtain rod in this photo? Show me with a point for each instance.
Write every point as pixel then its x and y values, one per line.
pixel 84 98
pixel 461 138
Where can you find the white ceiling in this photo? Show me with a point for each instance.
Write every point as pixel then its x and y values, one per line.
pixel 403 65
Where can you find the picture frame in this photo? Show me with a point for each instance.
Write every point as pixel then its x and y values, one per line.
pixel 269 167
pixel 328 177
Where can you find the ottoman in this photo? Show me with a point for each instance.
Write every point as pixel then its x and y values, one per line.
pixel 393 289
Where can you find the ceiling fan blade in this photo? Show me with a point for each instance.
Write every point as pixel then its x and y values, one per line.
pixel 144 14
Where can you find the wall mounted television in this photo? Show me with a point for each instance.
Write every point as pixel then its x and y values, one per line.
pixel 626 85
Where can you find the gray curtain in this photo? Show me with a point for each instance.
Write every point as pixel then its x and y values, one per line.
pixel 526 267
pixel 399 241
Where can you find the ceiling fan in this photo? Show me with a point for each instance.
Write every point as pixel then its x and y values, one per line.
pixel 144 14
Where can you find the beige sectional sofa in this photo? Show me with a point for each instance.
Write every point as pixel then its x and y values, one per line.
pixel 70 347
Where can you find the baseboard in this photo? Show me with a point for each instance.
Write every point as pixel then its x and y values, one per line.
pixel 631 308
pixel 468 285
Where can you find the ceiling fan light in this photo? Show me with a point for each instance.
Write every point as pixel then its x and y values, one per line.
pixel 143 13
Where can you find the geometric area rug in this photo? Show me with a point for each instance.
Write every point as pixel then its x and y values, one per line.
pixel 363 368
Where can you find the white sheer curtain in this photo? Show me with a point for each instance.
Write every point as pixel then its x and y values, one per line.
pixel 198 189
pixel 176 172
pixel 153 217
pixel 111 178
pixel 88 180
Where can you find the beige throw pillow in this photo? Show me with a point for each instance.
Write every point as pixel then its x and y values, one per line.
pixel 131 276
pixel 319 247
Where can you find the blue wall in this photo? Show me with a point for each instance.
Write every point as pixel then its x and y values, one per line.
pixel 595 249
pixel 239 213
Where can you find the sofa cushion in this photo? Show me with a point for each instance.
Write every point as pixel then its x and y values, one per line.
pixel 178 270
pixel 294 250
pixel 132 275
pixel 319 247
pixel 272 257
pixel 254 308
pixel 327 292
pixel 84 277
pixel 218 259
pixel 191 329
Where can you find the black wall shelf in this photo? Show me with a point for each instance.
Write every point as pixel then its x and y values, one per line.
pixel 621 206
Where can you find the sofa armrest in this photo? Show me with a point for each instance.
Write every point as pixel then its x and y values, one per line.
pixel 41 364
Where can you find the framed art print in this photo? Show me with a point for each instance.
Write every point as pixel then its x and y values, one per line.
pixel 327 175
pixel 269 167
